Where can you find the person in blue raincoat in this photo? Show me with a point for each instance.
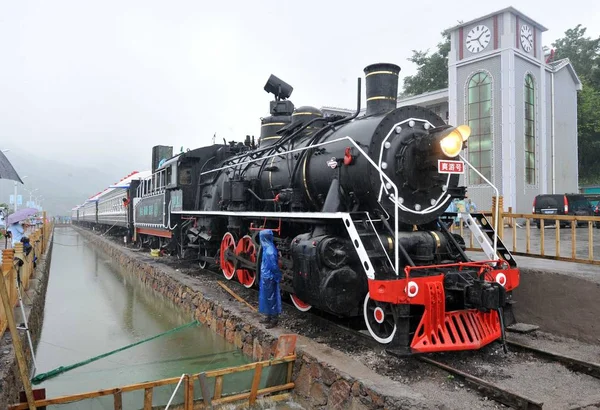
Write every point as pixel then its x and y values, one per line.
pixel 451 208
pixel 269 295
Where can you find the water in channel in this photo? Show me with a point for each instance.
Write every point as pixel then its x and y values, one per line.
pixel 92 308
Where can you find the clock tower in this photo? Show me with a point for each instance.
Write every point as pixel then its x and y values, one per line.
pixel 501 86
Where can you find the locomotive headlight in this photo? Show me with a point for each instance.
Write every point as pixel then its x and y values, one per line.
pixel 452 143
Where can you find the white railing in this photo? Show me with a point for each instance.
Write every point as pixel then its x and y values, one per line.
pixel 152 184
pixel 496 212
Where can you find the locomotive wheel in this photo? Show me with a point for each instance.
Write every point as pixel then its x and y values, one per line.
pixel 247 249
pixel 201 263
pixel 228 267
pixel 300 305
pixel 379 320
pixel 139 242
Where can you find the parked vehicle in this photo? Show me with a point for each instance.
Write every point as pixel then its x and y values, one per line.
pixel 561 204
pixel 595 202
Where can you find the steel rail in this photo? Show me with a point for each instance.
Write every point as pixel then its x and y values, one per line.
pixel 494 391
pixel 591 369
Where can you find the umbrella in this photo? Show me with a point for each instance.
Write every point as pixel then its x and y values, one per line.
pixel 6 169
pixel 21 214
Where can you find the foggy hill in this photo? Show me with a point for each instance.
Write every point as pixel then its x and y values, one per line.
pixel 62 185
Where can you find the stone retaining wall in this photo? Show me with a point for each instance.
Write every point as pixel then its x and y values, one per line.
pixel 325 378
pixel 33 302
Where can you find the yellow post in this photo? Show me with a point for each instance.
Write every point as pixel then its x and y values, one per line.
pixel 492 219
pixel 500 228
pixel 501 216
pixel 7 265
pixel 16 338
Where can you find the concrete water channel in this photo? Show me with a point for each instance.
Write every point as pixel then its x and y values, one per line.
pixel 93 307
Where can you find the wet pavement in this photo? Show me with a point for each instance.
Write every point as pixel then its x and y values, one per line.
pixel 92 309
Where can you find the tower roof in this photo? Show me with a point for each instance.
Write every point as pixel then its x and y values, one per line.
pixel 509 9
pixel 566 63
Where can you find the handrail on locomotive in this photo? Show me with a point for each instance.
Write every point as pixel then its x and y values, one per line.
pixel 385 185
pixel 388 180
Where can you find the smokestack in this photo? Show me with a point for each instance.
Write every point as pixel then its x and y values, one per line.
pixel 381 87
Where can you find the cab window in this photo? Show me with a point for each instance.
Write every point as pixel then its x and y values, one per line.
pixel 185 176
pixel 169 176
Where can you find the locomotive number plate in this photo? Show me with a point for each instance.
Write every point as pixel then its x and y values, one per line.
pixel 450 167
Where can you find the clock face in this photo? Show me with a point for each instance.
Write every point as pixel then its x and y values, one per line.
pixel 478 38
pixel 526 38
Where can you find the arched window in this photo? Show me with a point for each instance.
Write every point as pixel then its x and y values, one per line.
pixel 479 102
pixel 529 130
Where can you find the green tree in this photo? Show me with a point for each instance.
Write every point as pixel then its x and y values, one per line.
pixel 432 70
pixel 584 54
pixel 588 133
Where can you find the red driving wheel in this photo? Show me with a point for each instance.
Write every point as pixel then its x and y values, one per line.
pixel 227 266
pixel 300 305
pixel 247 249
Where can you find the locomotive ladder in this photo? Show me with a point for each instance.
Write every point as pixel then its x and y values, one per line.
pixel 359 246
pixel 484 234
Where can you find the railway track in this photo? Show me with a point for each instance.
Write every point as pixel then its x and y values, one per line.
pixel 513 399
pixel 576 365
pixel 494 391
pixel 484 387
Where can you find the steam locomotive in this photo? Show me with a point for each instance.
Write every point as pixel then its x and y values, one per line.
pixel 357 204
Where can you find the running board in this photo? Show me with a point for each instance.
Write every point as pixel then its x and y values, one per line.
pixel 344 216
pixel 274 215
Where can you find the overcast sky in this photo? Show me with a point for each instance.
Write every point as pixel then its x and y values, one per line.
pixel 93 81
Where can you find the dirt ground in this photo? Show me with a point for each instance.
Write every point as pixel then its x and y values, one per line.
pixel 536 378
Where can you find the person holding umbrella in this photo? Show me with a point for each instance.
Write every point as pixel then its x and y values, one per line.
pixel 15 226
pixel 16 232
